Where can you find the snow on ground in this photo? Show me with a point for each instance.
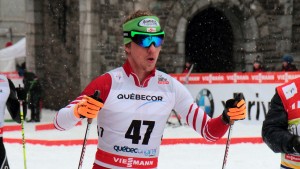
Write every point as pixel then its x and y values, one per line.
pixel 180 156
pixel 192 156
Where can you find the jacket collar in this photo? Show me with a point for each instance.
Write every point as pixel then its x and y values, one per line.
pixel 128 70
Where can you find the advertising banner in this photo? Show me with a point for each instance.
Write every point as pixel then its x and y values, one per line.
pixel 211 90
pixel 14 77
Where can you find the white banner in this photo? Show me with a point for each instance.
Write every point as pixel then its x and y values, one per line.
pixel 211 90
pixel 212 97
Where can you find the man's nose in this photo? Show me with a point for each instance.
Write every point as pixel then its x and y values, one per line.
pixel 151 48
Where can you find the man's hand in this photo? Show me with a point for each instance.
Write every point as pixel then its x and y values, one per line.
pixel 296 144
pixel 235 109
pixel 87 107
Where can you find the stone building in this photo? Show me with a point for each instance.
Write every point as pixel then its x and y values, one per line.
pixel 12 21
pixel 69 42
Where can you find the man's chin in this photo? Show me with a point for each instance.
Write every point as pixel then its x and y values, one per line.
pixel 150 68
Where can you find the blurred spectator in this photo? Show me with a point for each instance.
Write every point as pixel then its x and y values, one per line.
pixel 21 69
pixel 34 93
pixel 257 65
pixel 8 44
pixel 287 65
pixel 187 67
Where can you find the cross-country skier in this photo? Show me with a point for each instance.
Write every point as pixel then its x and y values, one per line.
pixel 281 128
pixel 9 100
pixel 137 101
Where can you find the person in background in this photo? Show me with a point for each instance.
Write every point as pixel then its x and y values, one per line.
pixel 187 67
pixel 8 44
pixel 9 100
pixel 136 101
pixel 281 128
pixel 257 65
pixel 287 65
pixel 34 92
pixel 21 68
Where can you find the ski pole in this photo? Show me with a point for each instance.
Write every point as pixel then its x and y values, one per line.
pixel 186 81
pixel 89 121
pixel 227 145
pixel 87 131
pixel 23 133
pixel 237 98
pixel 178 118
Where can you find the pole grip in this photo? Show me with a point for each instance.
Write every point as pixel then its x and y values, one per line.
pixel 96 97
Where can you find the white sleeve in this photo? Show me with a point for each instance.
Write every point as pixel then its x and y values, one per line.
pixel 183 98
pixel 190 112
pixel 65 118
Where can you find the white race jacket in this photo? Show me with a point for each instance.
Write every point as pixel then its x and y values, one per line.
pixel 134 116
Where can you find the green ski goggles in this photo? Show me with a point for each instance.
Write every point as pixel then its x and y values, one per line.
pixel 145 39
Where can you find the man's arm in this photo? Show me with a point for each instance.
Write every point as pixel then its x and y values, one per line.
pixel 12 104
pixel 211 129
pixel 66 118
pixel 275 128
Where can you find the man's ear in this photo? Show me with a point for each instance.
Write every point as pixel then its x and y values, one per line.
pixel 127 48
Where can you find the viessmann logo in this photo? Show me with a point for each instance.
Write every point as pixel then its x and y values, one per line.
pixel 130 162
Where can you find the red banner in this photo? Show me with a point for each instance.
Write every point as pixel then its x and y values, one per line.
pixel 236 77
pixel 11 75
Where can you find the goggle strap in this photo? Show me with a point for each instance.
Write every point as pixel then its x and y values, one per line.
pixel 127 34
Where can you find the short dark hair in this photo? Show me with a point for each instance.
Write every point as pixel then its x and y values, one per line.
pixel 137 14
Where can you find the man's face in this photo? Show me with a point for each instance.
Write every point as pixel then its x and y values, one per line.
pixel 142 59
pixel 187 64
pixel 256 65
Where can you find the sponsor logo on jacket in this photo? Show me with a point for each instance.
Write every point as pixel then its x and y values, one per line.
pixel 145 152
pixel 131 161
pixel 162 80
pixel 134 96
pixel 289 90
pixel 118 76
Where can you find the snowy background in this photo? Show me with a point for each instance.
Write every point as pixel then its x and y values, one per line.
pixel 178 156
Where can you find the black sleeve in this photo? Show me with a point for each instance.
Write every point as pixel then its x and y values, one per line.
pixel 13 93
pixel 13 105
pixel 37 88
pixel 275 128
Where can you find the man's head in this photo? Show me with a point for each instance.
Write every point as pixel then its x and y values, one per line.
pixel 256 64
pixel 287 58
pixel 187 64
pixel 143 38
